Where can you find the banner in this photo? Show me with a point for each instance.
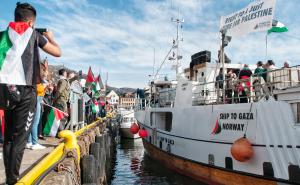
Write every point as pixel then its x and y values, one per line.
pixel 257 16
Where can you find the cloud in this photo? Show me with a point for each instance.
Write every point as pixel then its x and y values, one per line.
pixel 118 37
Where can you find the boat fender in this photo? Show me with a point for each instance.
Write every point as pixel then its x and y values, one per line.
pixel 88 169
pixel 143 133
pixel 134 128
pixel 242 150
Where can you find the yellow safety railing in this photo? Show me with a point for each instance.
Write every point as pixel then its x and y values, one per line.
pixel 70 142
pixel 42 166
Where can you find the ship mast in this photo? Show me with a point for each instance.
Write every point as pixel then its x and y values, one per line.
pixel 176 42
pixel 224 42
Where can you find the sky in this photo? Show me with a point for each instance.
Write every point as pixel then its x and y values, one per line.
pixel 118 37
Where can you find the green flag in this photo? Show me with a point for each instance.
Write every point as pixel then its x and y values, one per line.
pixel 277 27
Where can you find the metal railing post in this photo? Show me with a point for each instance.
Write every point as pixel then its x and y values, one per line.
pixel 251 89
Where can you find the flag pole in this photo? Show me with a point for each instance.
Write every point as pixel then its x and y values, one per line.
pixel 66 114
pixel 266 47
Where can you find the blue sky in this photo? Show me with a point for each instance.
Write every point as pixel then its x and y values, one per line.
pixel 118 36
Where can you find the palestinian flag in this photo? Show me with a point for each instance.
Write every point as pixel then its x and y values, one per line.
pixel 90 76
pixel 95 107
pixel 277 27
pixel 53 122
pixel 217 129
pixel 13 43
pixel 97 81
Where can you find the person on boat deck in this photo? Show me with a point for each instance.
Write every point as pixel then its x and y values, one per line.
pixel 287 64
pixel 259 71
pixel 259 74
pixel 231 84
pixel 219 79
pixel 270 66
pixel 244 86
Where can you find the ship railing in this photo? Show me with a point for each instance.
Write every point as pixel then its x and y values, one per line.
pixel 162 98
pixel 253 89
pixel 141 104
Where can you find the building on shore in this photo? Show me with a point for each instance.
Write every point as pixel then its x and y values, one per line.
pixel 113 98
pixel 128 100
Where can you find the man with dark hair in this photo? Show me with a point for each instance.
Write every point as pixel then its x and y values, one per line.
pixel 62 92
pixel 260 71
pixel 19 74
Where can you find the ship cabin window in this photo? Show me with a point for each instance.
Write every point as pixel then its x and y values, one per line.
pixel 268 169
pixel 296 111
pixel 162 120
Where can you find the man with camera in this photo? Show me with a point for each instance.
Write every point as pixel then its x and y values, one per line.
pixel 19 74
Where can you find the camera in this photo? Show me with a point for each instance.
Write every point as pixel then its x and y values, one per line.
pixel 41 30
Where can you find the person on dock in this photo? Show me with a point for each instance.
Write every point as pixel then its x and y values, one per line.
pixel 20 111
pixel 62 92
pixel 62 95
pixel 32 142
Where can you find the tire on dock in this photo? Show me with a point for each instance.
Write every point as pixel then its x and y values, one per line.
pixel 88 169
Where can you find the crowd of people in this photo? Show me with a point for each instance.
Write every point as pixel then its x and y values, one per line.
pixel 238 84
pixel 28 94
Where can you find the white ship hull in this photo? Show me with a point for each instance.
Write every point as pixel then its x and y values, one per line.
pixel 127 118
pixel 125 131
pixel 269 126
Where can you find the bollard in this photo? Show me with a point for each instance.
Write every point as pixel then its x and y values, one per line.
pixel 70 142
pixel 100 140
pixel 88 173
pixel 95 151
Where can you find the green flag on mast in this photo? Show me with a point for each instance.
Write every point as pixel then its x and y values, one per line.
pixel 277 27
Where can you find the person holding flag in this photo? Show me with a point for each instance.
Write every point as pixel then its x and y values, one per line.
pixel 19 74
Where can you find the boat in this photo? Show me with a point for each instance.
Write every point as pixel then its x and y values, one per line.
pixel 193 130
pixel 126 120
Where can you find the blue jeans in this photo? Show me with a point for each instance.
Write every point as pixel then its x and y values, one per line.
pixel 33 136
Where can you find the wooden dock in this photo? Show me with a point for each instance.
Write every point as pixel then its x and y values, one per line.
pixel 30 157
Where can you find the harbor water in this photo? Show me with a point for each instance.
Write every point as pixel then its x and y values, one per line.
pixel 134 166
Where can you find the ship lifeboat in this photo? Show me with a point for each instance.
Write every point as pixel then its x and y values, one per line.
pixel 242 150
pixel 134 128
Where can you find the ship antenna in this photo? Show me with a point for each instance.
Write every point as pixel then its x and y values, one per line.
pixel 176 42
pixel 153 63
